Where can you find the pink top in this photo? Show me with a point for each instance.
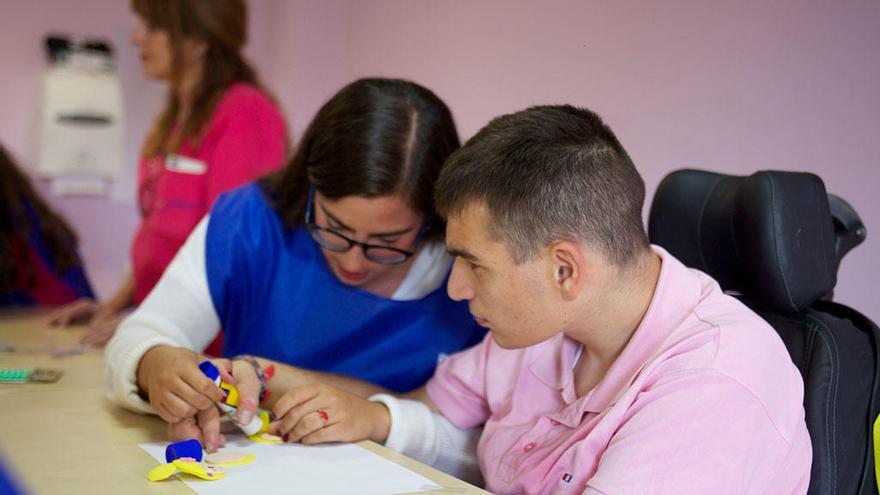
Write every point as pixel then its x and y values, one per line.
pixel 703 399
pixel 244 139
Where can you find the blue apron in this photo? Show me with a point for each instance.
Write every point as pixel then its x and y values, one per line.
pixel 277 298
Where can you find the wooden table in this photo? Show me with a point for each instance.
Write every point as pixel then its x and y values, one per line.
pixel 66 437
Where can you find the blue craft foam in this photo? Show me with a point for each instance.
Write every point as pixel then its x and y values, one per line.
pixel 209 370
pixel 187 448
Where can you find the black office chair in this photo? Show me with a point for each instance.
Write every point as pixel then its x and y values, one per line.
pixel 775 240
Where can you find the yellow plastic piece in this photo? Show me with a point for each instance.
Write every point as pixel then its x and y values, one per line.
pixel 877 451
pixel 230 458
pixel 265 438
pixel 264 416
pixel 194 468
pixel 162 472
pixel 200 470
pixel 232 394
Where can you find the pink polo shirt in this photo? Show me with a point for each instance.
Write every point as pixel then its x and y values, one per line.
pixel 244 139
pixel 703 399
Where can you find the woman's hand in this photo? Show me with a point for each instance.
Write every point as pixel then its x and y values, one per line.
pixel 320 413
pixel 79 311
pixel 103 318
pixel 102 327
pixel 204 427
pixel 241 374
pixel 176 387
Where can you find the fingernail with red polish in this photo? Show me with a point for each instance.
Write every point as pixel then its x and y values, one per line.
pixel 286 437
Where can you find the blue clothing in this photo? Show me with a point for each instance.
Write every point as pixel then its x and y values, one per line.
pixel 8 483
pixel 277 298
pixel 45 287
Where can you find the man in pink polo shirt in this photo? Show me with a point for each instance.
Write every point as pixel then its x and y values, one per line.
pixel 610 368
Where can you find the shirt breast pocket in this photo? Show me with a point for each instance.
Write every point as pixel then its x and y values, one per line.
pixel 180 202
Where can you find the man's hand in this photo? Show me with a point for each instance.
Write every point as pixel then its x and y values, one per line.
pixel 176 387
pixel 320 413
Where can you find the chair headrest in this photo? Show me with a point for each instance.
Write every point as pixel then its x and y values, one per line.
pixel 769 236
pixel 849 231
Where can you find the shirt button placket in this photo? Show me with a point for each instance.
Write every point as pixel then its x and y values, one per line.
pixel 529 447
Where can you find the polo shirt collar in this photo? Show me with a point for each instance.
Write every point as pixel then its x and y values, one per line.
pixel 678 291
pixel 552 364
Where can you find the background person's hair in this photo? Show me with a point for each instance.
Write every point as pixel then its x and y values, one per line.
pixel 222 26
pixel 546 174
pixel 18 202
pixel 375 137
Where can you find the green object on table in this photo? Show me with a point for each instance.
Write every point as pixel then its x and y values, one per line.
pixel 27 375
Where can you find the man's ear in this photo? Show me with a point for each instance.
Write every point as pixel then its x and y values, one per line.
pixel 570 268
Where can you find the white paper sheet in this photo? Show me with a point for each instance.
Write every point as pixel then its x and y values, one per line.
pixel 292 468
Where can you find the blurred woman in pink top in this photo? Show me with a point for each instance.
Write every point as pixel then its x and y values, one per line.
pixel 219 129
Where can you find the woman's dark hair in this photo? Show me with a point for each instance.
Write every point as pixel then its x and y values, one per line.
pixel 19 203
pixel 374 138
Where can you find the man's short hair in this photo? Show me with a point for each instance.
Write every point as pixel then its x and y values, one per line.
pixel 545 174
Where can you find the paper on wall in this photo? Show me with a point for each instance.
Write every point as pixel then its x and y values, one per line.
pixel 81 124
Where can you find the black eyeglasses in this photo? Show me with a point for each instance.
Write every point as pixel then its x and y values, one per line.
pixel 336 242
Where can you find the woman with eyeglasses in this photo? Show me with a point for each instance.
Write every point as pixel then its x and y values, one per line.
pixel 335 263
pixel 219 129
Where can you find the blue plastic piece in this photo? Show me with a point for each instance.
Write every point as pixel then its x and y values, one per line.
pixel 209 370
pixel 187 448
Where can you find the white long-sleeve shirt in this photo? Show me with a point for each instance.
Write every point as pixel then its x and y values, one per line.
pixel 430 438
pixel 179 312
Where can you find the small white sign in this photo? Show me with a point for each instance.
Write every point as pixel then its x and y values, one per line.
pixel 185 165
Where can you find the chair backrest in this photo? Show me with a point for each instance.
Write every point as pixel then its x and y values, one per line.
pixel 771 240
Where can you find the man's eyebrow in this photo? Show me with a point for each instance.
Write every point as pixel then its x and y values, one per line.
pixel 343 226
pixel 463 253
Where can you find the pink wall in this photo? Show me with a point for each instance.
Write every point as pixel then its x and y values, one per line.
pixel 105 224
pixel 310 59
pixel 728 86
